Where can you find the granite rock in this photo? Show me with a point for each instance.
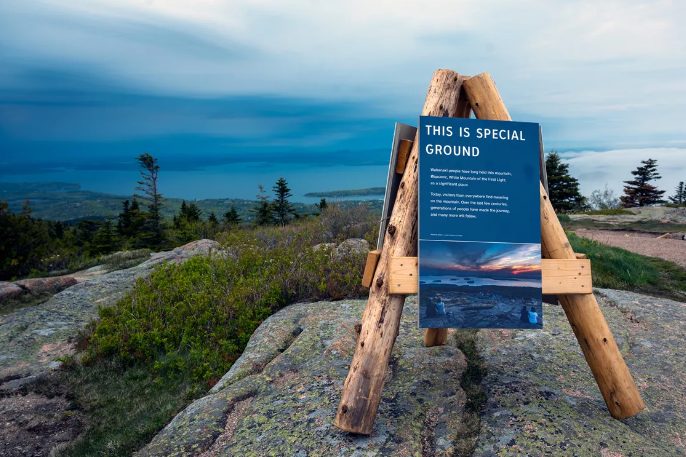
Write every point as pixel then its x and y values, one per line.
pixel 32 338
pixel 280 397
pixel 542 398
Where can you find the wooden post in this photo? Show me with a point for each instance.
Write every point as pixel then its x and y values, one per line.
pixel 587 320
pixel 381 319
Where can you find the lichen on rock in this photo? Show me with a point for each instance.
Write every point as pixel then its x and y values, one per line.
pixel 292 373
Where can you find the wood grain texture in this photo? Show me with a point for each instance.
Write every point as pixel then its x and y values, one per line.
pixel 362 388
pixel 559 276
pixel 370 267
pixel 588 323
pixel 436 337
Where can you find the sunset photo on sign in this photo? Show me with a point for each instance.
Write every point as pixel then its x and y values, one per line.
pixel 480 285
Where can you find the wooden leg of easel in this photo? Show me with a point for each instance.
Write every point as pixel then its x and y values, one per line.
pixel 435 337
pixel 590 328
pixel 587 320
pixel 362 389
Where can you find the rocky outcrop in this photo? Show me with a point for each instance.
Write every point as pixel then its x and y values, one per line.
pixel 540 397
pixel 352 247
pixel 9 290
pixel 32 338
pixel 280 397
pixel 50 285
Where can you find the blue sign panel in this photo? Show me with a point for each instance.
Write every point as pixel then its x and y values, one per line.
pixel 479 224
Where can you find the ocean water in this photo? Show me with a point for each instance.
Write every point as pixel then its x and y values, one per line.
pixel 479 281
pixel 226 181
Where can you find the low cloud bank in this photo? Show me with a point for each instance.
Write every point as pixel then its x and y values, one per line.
pixel 595 169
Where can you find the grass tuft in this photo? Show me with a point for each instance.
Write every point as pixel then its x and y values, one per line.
pixel 616 268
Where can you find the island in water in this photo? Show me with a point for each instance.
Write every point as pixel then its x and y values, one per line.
pixel 369 191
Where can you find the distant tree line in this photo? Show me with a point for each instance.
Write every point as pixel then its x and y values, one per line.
pixel 640 190
pixel 30 245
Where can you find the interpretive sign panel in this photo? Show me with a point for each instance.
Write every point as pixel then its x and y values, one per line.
pixel 479 224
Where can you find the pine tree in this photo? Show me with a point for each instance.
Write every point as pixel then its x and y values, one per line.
pixel 679 197
pixel 104 240
pixel 639 191
pixel 563 189
pixel 124 220
pixel 231 217
pixel 189 213
pixel 212 219
pixel 282 208
pixel 263 209
pixel 137 218
pixel 154 231
pixel 322 205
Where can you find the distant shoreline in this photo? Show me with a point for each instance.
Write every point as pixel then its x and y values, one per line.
pixel 380 191
pixel 62 201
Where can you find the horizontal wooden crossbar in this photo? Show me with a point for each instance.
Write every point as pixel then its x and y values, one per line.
pixel 560 276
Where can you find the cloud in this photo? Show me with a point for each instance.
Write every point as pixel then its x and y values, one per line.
pixel 302 75
pixel 596 169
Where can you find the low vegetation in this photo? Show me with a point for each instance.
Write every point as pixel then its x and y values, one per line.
pixel 617 268
pixel 182 328
pixel 608 212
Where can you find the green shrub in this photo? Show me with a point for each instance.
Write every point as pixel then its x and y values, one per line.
pixel 197 317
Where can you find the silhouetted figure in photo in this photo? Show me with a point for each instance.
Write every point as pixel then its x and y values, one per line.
pixel 440 306
pixel 431 307
pixel 524 315
pixel 533 316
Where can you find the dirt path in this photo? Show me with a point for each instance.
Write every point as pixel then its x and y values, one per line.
pixel 640 243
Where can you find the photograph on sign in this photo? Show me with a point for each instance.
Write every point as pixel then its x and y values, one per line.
pixel 479 224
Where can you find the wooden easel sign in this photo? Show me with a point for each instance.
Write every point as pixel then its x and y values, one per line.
pixel 479 224
pixel 392 271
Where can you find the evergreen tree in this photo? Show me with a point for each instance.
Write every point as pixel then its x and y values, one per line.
pixel 639 191
pixel 322 204
pixel 192 213
pixel 153 229
pixel 104 240
pixel 231 217
pixel 212 219
pixel 124 220
pixel 24 242
pixel 189 213
pixel 679 197
pixel 563 189
pixel 137 219
pixel 263 209
pixel 281 207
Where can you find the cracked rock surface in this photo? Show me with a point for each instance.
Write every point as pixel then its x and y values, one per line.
pixel 542 398
pixel 280 397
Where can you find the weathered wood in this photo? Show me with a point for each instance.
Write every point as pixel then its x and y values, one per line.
pixel 404 149
pixel 381 319
pixel 370 267
pixel 559 276
pixel 403 275
pixel 566 276
pixel 435 337
pixel 587 320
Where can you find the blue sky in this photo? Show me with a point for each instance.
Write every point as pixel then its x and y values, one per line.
pixel 87 85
